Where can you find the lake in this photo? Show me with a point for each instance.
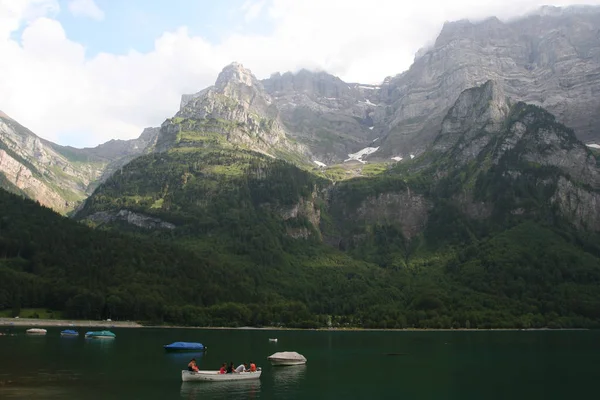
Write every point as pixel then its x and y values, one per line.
pixel 366 364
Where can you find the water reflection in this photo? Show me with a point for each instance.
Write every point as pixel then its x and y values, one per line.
pixel 184 357
pixel 220 390
pixel 284 377
pixel 104 344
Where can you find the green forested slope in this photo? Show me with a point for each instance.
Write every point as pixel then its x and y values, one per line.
pixel 50 261
pixel 232 261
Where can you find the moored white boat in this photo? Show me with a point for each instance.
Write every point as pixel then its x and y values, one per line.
pixel 273 340
pixel 215 376
pixel 287 358
pixel 36 331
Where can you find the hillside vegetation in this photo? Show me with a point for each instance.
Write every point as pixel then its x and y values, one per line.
pixel 233 260
pixel 495 226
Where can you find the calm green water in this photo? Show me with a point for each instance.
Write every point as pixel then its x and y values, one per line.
pixel 432 365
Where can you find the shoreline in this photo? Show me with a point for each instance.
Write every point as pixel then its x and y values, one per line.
pixel 7 322
pixel 36 322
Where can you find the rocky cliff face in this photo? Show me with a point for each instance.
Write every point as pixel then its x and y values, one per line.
pixel 488 145
pixel 550 59
pixel 332 117
pixel 59 177
pixel 236 110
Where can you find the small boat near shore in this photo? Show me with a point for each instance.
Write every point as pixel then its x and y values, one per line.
pixel 184 346
pixel 100 335
pixel 215 376
pixel 287 358
pixel 36 331
pixel 69 333
pixel 273 340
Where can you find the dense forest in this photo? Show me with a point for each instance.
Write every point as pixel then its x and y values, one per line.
pixel 234 260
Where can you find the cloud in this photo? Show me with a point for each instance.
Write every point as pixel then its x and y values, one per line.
pixel 53 87
pixel 86 8
pixel 15 12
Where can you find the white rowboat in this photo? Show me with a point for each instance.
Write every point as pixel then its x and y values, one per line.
pixel 273 340
pixel 36 331
pixel 287 358
pixel 215 376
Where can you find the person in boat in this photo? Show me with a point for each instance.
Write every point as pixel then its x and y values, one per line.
pixel 223 368
pixel 230 368
pixel 252 366
pixel 192 365
pixel 241 368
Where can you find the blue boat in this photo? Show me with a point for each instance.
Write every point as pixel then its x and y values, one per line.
pixel 69 332
pixel 100 335
pixel 184 346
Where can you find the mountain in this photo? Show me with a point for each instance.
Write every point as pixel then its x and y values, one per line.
pixel 550 58
pixel 57 176
pixel 236 111
pixel 498 217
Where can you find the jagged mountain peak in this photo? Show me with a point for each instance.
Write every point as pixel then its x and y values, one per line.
pixel 236 111
pixel 235 73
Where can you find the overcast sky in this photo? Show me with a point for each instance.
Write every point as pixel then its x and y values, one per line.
pixel 81 72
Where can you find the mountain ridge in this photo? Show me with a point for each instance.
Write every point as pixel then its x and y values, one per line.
pixel 57 176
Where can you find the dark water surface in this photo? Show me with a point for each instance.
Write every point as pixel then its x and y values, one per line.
pixel 351 365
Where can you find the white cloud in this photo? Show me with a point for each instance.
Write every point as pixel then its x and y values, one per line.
pixel 15 12
pixel 86 8
pixel 51 86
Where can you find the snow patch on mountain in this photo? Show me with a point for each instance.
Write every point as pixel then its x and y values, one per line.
pixel 359 154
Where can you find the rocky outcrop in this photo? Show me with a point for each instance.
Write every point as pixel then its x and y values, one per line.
pixel 130 217
pixel 477 115
pixel 577 204
pixel 22 177
pixel 238 110
pixel 406 209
